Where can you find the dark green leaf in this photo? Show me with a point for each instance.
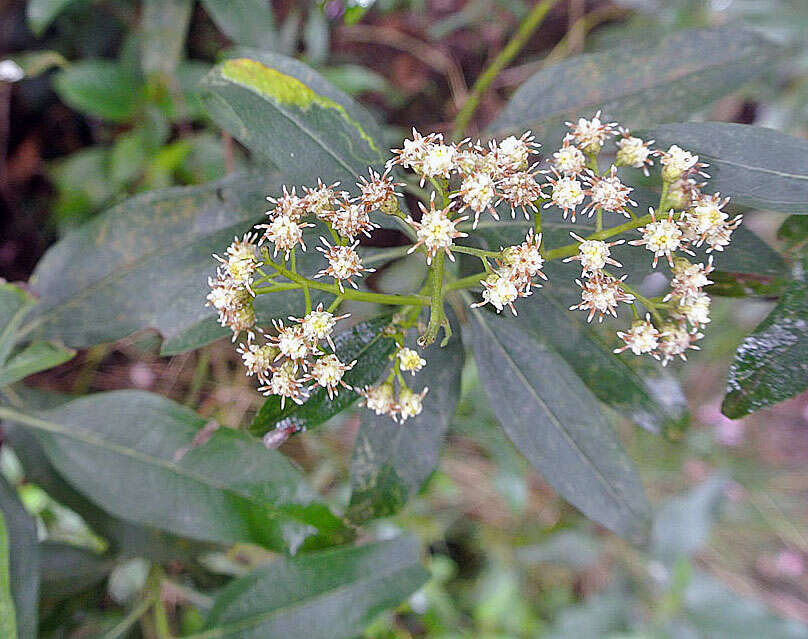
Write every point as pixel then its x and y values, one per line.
pixel 67 570
pixel 116 447
pixel 249 23
pixel 635 85
pixel 145 262
pixel 286 113
pixel 365 343
pixel 771 364
pixel 391 460
pixel 164 24
pixel 23 560
pixel 37 356
pixel 794 230
pixel 555 421
pixel 40 13
pixel 14 304
pixel 327 595
pixel 682 525
pixel 8 616
pixel 755 166
pixel 99 88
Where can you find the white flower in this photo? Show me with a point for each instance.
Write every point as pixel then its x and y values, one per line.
pixel 500 291
pixel 284 382
pixel 591 134
pixel 242 258
pixel 438 161
pixel 409 403
pixel 318 325
pixel 695 309
pixel 476 192
pixel 321 200
pixel 435 232
pixel 525 260
pixel 661 237
pixel 676 340
pixel 642 337
pixel 379 192
pixel 343 263
pixel 567 194
pixel 601 294
pixel 413 152
pixel 608 193
pixel 689 279
pixel 289 205
pixel 593 254
pixel 512 153
pixel 634 152
pixel 520 190
pixel 676 162
pixel 380 399
pixel 257 359
pixel 351 219
pixel 290 341
pixel 569 159
pixel 285 233
pixel 328 372
pixel 410 360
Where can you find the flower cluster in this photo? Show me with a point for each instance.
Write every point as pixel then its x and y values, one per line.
pixel 466 180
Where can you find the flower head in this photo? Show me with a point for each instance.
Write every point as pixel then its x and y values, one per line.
pixel 567 193
pixel 410 360
pixel 499 290
pixel 476 192
pixel 608 193
pixel 285 233
pixel 350 219
pixel 438 161
pixel 436 232
pixel 379 192
pixel 322 200
pixel 328 372
pixel 661 237
pixel 343 263
pixel 242 258
pixel 593 254
pixel 290 342
pixel 524 261
pixel 380 399
pixel 642 337
pixel 512 153
pixel 590 135
pixel 284 382
pixel 409 403
pixel 412 154
pixel 601 294
pixel 569 159
pixel 257 359
pixel 289 205
pixel 689 279
pixel 633 151
pixel 520 190
pixel 676 340
pixel 318 325
pixel 678 163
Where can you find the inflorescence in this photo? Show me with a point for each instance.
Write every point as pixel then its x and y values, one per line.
pixel 469 180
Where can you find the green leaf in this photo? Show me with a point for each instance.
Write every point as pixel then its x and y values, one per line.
pixel 288 114
pixel 754 165
pixel 144 263
pixel 682 525
pixel 23 558
pixel 794 230
pixel 34 63
pixel 555 421
pixel 68 570
pixel 8 617
pixel 37 356
pixel 164 24
pixel 99 88
pixel 636 85
pixel 14 305
pixel 771 364
pixel 117 447
pixel 327 595
pixel 717 612
pixel 365 343
pixel 40 13
pixel 249 23
pixel 390 460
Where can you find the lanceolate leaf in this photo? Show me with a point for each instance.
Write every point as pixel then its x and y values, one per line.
pixel 327 595
pixel 555 421
pixel 14 304
pixel 754 165
pixel 23 558
pixel 144 264
pixel 635 85
pixel 8 616
pixel 391 460
pixel 771 364
pixel 249 23
pixel 117 447
pixel 286 113
pixel 35 357
pixel 364 343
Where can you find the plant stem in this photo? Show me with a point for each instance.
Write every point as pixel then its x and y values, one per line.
pixel 468 250
pixel 515 44
pixel 537 221
pixel 436 316
pixel 161 624
pixel 130 619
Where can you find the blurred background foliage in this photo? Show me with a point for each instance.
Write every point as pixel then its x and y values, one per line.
pixel 109 107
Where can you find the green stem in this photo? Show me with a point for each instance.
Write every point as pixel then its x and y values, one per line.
pixel 517 41
pixel 130 619
pixel 161 624
pixel 436 315
pixel 467 282
pixel 537 220
pixel 468 250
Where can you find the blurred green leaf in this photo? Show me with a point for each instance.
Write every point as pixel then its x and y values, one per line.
pixel 128 157
pixel 555 421
pixel 365 343
pixel 99 88
pixel 794 230
pixel 682 525
pixel 68 570
pixel 14 306
pixel 164 24
pixel 249 23
pixel 135 454
pixel 390 460
pixel 34 63
pixel 771 364
pixel 326 595
pixel 316 36
pixel 636 85
pixel 603 615
pixel 8 617
pixel 158 244
pixel 286 113
pixel 37 356
pixel 40 13
pixel 23 558
pixel 755 166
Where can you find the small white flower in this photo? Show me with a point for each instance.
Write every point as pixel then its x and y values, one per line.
pixel 343 263
pixel 328 372
pixel 438 161
pixel 676 162
pixel 520 190
pixel 284 383
pixel 318 325
pixel 435 232
pixel 500 291
pixel 350 219
pixel 661 237
pixel 590 135
pixel 242 258
pixel 288 205
pixel 285 233
pixel 320 201
pixel 695 309
pixel 290 341
pixel 689 279
pixel 593 255
pixel 379 192
pixel 476 192
pixel 567 194
pixel 410 360
pixel 642 337
pixel 380 399
pixel 257 359
pixel 512 153
pixel 601 294
pixel 409 403
pixel 634 152
pixel 525 260
pixel 608 193
pixel 569 159
pixel 676 340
